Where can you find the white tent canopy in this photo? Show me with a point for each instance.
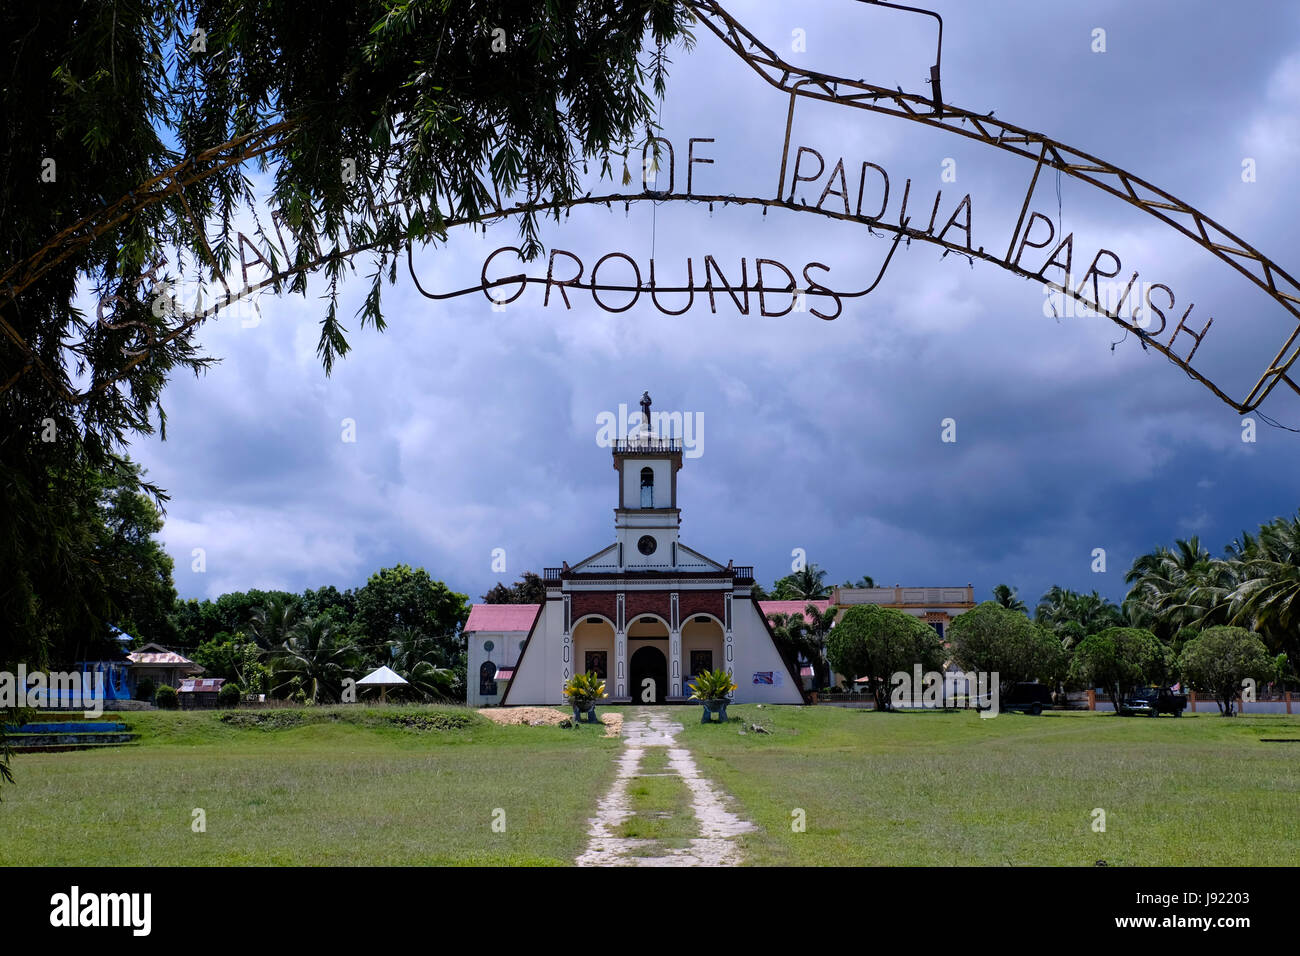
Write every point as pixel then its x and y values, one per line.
pixel 383 678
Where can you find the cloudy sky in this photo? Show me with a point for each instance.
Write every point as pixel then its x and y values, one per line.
pixel 477 429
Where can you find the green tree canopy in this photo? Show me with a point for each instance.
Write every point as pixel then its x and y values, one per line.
pixel 130 133
pixel 1220 659
pixel 1120 658
pixel 877 642
pixel 995 639
pixel 531 589
pixel 404 597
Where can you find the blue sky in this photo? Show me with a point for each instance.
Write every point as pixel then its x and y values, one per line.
pixel 477 429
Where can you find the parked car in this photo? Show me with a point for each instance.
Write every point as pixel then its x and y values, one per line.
pixel 1029 698
pixel 1153 701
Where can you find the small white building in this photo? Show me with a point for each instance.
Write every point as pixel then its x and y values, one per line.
pixel 496 635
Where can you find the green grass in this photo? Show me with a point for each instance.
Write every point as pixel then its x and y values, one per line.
pixel 330 785
pixel 661 805
pixel 937 789
pixel 417 786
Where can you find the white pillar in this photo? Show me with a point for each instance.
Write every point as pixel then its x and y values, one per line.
pixel 675 663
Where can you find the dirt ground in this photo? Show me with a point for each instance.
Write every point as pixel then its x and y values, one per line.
pixel 536 716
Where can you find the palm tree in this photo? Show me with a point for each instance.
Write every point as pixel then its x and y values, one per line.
pixel 788 630
pixel 803 634
pixel 809 583
pixel 1060 608
pixel 1173 589
pixel 866 581
pixel 818 629
pixel 414 657
pixel 1008 598
pixel 1267 596
pixel 316 657
pixel 273 624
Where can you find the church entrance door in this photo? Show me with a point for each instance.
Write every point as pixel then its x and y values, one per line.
pixel 648 663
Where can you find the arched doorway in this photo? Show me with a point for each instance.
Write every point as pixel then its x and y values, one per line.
pixel 648 663
pixel 487 679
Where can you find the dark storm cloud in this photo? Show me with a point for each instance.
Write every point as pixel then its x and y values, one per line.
pixel 477 430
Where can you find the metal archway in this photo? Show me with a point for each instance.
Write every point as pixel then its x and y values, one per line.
pixel 798 83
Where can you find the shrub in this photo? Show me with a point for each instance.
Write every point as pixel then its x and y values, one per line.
pixel 437 720
pixel 228 696
pixel 1119 658
pixel 145 689
pixel 876 642
pixel 711 685
pixel 998 640
pixel 1220 659
pixel 584 689
pixel 166 698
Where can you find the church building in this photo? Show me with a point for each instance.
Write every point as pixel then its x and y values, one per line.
pixel 645 612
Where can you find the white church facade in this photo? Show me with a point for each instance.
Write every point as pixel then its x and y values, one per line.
pixel 647 613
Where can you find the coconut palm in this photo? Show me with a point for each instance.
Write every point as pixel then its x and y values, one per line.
pixel 315 656
pixel 1267 596
pixel 1060 608
pixel 1008 598
pixel 414 657
pixel 819 624
pixel 789 632
pixel 1178 588
pixel 807 584
pixel 803 634
pixel 273 624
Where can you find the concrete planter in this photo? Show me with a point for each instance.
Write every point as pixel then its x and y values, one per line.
pixel 716 706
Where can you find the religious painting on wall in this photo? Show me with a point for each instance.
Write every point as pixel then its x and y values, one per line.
pixel 596 662
pixel 701 661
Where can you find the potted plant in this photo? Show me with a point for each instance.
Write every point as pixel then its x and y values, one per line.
pixel 713 690
pixel 582 691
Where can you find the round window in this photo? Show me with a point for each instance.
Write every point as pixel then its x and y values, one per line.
pixel 647 544
pixel 487 646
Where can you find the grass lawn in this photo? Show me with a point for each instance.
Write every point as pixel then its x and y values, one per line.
pixel 340 786
pixel 661 806
pixel 939 789
pixel 419 786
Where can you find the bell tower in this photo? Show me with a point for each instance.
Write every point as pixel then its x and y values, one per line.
pixel 647 518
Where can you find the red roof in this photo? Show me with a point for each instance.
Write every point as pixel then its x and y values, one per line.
pixel 790 607
pixel 154 655
pixel 203 685
pixel 501 617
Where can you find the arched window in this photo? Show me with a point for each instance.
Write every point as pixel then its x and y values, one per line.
pixel 647 488
pixel 487 679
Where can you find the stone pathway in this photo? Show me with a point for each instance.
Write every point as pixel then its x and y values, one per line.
pixel 718 826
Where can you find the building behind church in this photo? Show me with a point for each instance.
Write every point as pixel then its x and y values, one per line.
pixel 647 612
